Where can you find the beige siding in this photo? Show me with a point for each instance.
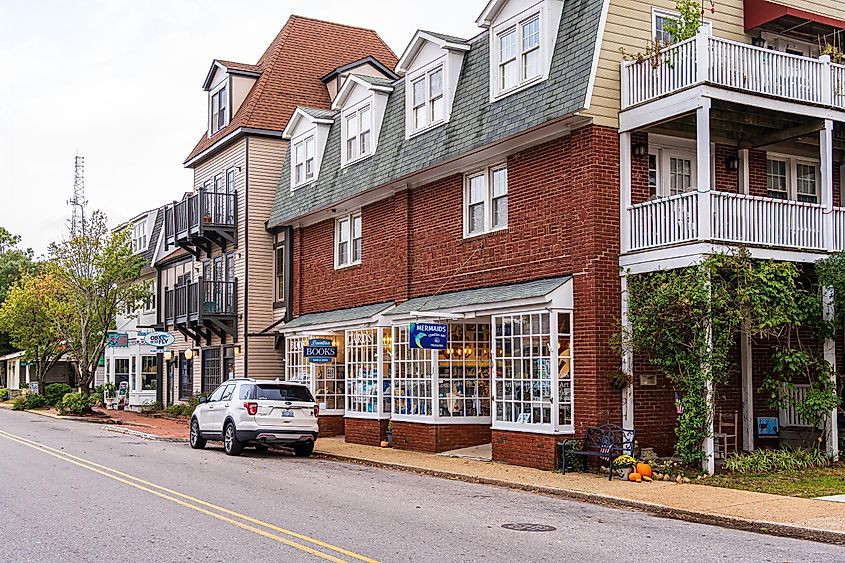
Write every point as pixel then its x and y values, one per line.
pixel 266 157
pixel 629 26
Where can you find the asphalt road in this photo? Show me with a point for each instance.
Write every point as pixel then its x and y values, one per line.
pixel 157 501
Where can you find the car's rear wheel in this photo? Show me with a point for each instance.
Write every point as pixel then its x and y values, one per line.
pixel 196 440
pixel 304 450
pixel 231 444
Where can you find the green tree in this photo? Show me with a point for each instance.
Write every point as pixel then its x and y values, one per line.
pixel 97 271
pixel 29 315
pixel 14 263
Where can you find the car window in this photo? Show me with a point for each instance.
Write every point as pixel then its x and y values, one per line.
pixel 227 392
pixel 283 392
pixel 245 392
pixel 217 394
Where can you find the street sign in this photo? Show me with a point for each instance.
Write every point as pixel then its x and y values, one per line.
pixel 159 339
pixel 428 336
pixel 320 351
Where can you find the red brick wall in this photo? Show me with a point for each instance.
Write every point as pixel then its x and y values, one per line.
pixel 330 426
pixel 366 431
pixel 529 450
pixel 654 409
pixel 438 437
pixel 757 173
pixel 726 180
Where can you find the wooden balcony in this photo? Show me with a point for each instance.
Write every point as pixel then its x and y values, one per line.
pixel 708 60
pixel 201 220
pixel 202 308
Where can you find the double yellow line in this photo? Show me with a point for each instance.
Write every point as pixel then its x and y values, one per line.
pixel 322 550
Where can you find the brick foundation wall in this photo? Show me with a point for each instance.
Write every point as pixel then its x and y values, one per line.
pixel 435 438
pixel 366 431
pixel 330 426
pixel 529 450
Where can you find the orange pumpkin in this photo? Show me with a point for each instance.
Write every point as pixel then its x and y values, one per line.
pixel 644 469
pixel 636 477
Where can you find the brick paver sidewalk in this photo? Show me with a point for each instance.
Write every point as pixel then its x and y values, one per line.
pixel 158 426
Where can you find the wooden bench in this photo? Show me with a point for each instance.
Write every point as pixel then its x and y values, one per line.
pixel 605 442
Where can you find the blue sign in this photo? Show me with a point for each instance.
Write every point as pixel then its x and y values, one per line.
pixel 767 426
pixel 429 336
pixel 320 351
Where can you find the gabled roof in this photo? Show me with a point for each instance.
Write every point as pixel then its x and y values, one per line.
pixel 313 115
pixel 290 71
pixel 240 69
pixel 355 64
pixel 420 38
pixel 369 82
pixel 152 243
pixel 475 121
pixel 490 11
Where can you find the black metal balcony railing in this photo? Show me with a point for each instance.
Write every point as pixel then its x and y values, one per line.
pixel 200 214
pixel 192 302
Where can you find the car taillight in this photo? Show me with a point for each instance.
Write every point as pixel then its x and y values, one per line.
pixel 251 408
pixel 316 410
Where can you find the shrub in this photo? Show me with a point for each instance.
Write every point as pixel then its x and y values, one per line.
pixel 54 393
pixel 179 409
pixel 153 407
pixel 4 393
pixel 767 461
pixel 29 401
pixel 75 403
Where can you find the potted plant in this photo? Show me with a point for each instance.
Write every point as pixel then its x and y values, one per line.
pixel 109 396
pixel 619 380
pixel 624 465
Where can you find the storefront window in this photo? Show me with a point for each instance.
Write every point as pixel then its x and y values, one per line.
pixel 463 371
pixel 364 387
pixel 564 369
pixel 326 380
pixel 121 371
pixel 149 373
pixel 297 368
pixel 413 376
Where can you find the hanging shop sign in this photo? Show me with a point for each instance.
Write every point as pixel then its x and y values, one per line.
pixel 118 340
pixel 428 336
pixel 159 339
pixel 320 351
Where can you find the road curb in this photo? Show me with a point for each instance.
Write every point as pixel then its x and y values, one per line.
pixel 145 435
pixel 757 526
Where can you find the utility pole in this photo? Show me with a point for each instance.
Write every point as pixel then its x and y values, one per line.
pixel 78 202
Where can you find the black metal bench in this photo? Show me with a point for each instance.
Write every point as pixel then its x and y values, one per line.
pixel 605 442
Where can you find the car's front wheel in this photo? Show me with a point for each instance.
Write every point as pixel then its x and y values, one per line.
pixel 231 444
pixel 196 439
pixel 304 450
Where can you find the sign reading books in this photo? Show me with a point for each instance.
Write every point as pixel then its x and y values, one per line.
pixel 320 351
pixel 428 336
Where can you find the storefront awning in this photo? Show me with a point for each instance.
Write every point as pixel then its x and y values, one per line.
pixel 774 16
pixel 338 318
pixel 550 292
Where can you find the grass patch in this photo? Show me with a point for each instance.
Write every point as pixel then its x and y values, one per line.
pixel 809 483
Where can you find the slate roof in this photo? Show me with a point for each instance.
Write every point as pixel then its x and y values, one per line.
pixel 338 315
pixel 149 253
pixel 444 37
pixel 317 113
pixel 374 80
pixel 291 68
pixel 480 296
pixel 474 122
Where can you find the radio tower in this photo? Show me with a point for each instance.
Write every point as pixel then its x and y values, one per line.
pixel 78 202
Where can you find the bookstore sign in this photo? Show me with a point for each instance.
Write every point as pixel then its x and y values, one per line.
pixel 320 351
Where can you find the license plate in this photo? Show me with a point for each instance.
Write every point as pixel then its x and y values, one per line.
pixel 287 413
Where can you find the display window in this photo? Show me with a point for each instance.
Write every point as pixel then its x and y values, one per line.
pixel 149 375
pixel 368 365
pixel 326 380
pixel 413 379
pixel 529 394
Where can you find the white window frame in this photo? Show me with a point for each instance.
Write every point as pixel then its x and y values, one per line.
pixel 212 122
pixel 346 226
pixel 516 24
pixel 664 13
pixel 355 113
pixel 487 172
pixel 139 237
pixel 303 142
pixel 368 366
pixel 792 163
pixel 427 106
pixel 149 304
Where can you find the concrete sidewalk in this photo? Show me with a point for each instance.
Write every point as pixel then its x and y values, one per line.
pixel 787 516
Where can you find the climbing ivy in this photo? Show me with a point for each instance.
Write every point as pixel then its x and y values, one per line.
pixel 686 321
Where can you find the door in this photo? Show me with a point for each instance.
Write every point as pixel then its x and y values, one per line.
pixel 207 412
pixel 218 406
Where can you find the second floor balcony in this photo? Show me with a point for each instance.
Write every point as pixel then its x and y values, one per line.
pixel 200 308
pixel 201 220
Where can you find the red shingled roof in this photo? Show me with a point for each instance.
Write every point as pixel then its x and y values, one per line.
pixel 304 50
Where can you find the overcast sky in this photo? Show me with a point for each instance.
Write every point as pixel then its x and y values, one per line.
pixel 120 81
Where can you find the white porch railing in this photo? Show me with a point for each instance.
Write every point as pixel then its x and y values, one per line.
pixel 735 219
pixel 788 414
pixel 664 221
pixel 766 222
pixel 734 65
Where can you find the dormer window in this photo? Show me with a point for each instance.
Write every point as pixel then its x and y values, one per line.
pixel 358 124
pixel 139 237
pixel 219 108
pixel 428 99
pixel 519 54
pixel 303 160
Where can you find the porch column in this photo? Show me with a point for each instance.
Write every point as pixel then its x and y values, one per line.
pixel 702 154
pixel 627 361
pixel 832 434
pixel 624 192
pixel 747 392
pixel 709 446
pixel 744 172
pixel 28 378
pixel 826 192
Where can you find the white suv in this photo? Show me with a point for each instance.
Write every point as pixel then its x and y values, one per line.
pixel 252 412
